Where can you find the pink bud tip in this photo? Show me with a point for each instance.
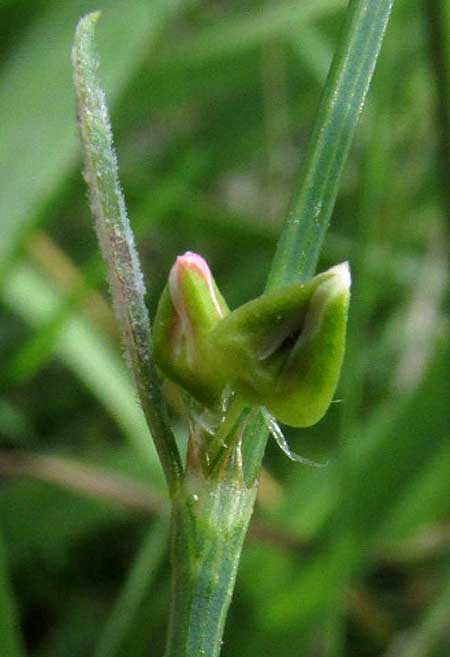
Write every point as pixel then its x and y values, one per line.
pixel 190 261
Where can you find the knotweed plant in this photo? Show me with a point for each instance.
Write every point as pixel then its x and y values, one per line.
pixel 239 373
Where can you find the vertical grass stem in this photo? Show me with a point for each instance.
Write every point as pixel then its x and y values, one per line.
pixel 117 243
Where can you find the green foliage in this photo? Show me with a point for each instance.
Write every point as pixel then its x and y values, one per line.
pixel 212 105
pixel 11 643
pixel 284 350
pixel 116 241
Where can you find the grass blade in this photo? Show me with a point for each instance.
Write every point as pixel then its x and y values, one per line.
pixel 342 101
pixel 430 632
pixel 10 641
pixel 438 18
pixel 233 36
pixel 36 153
pixel 117 244
pixel 85 352
pixel 343 98
pixel 135 588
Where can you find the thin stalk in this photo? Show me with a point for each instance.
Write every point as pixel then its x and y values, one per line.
pixel 209 523
pixel 117 244
pixel 343 98
pixel 342 101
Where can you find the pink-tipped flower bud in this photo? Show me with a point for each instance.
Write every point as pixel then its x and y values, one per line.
pixel 190 308
pixel 283 350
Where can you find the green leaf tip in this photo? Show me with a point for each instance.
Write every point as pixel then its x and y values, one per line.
pixel 87 22
pixel 283 350
pixel 84 38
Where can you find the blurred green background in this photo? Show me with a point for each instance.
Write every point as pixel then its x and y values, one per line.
pixel 212 104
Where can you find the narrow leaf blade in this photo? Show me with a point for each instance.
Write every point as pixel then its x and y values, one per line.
pixel 117 242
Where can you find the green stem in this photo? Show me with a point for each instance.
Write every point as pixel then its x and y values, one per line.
pixel 211 513
pixel 209 523
pixel 342 101
pixel 117 244
pixel 304 232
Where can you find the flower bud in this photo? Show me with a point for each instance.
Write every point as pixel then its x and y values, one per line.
pixel 284 350
pixel 189 309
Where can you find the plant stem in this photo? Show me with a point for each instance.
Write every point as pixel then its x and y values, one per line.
pixel 342 100
pixel 117 244
pixel 209 523
pixel 211 512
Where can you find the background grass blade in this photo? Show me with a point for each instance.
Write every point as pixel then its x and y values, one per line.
pixel 246 32
pixel 11 641
pixel 430 636
pixel 437 16
pixel 139 581
pixel 35 154
pixel 86 353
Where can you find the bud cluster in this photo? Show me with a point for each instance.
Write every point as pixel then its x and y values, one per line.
pixel 283 350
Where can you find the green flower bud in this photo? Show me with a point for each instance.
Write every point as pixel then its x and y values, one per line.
pixel 189 309
pixel 284 350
